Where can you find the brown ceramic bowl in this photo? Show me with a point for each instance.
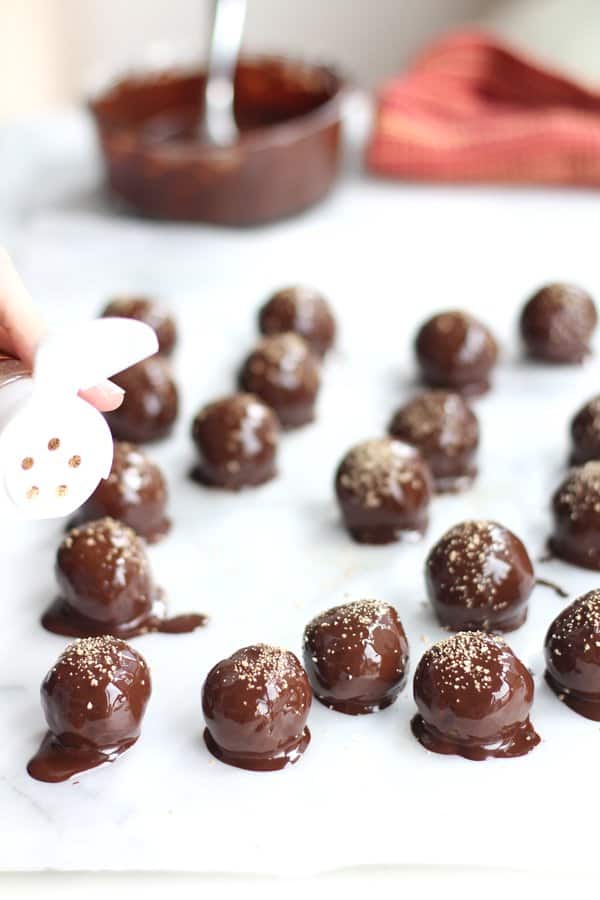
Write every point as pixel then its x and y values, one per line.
pixel 286 159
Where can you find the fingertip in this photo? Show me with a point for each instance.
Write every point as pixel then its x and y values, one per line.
pixel 106 397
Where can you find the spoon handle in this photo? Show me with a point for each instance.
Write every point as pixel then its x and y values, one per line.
pixel 225 42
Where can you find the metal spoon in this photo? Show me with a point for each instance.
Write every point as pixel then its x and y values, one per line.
pixel 218 123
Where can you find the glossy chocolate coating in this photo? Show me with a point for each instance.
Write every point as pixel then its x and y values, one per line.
pixel 383 489
pixel 445 431
pixel 479 577
pixel 285 374
pixel 94 700
pixel 236 438
pixel 145 309
pixel 255 704
pixel 106 586
pixel 135 493
pixel 572 649
pixel 302 310
pixel 585 433
pixel 456 351
pixel 150 405
pixel 474 698
pixel 576 508
pixel 356 656
pixel 557 323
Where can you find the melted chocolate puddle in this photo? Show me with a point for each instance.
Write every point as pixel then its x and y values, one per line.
pixel 560 592
pixel 62 619
pixel 515 741
pixel 258 762
pixel 54 762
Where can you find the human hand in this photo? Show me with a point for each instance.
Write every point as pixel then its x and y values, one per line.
pixel 22 327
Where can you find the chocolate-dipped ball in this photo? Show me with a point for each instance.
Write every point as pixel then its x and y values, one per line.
pixel 572 649
pixel 135 492
pixel 150 405
pixel 255 705
pixel 479 577
pixel 106 586
pixel 576 508
pixel 147 310
pixel 585 433
pixel 474 698
pixel 94 700
pixel 285 374
pixel 456 351
pixel 557 323
pixel 383 489
pixel 445 431
pixel 302 310
pixel 356 656
pixel 236 438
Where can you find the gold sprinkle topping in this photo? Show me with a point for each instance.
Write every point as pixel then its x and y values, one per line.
pixel 27 462
pixel 33 491
pixel 75 461
pixel 62 490
pixel 379 468
pixel 54 443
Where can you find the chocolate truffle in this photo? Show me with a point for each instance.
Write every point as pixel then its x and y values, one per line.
pixel 284 373
pixel 106 586
pixel 236 438
pixel 150 405
pixel 301 310
pixel 456 351
pixel 557 323
pixel 146 310
pixel 135 493
pixel 572 649
pixel 474 698
pixel 576 508
pixel 356 656
pixel 383 489
pixel 94 700
pixel 585 433
pixel 255 705
pixel 446 433
pixel 479 577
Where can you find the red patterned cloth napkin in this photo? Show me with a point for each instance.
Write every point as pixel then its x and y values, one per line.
pixel 473 110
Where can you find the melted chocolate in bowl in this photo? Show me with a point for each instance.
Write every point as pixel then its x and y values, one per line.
pixel 576 507
pixel 585 433
pixel 479 577
pixel 356 656
pixel 144 309
pixel 383 489
pixel 456 351
pixel 135 493
pixel 94 700
pixel 286 159
pixel 572 649
pixel 302 310
pixel 236 438
pixel 445 431
pixel 286 375
pixel 255 705
pixel 106 586
pixel 557 323
pixel 474 697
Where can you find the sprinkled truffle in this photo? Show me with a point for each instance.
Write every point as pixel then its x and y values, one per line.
pixel 585 433
pixel 383 489
pixel 572 649
pixel 285 374
pixel 576 507
pixel 446 433
pixel 94 700
pixel 135 492
pixel 456 351
pixel 557 323
pixel 302 310
pixel 106 586
pixel 149 311
pixel 236 438
pixel 473 697
pixel 150 405
pixel 255 705
pixel 356 656
pixel 479 576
